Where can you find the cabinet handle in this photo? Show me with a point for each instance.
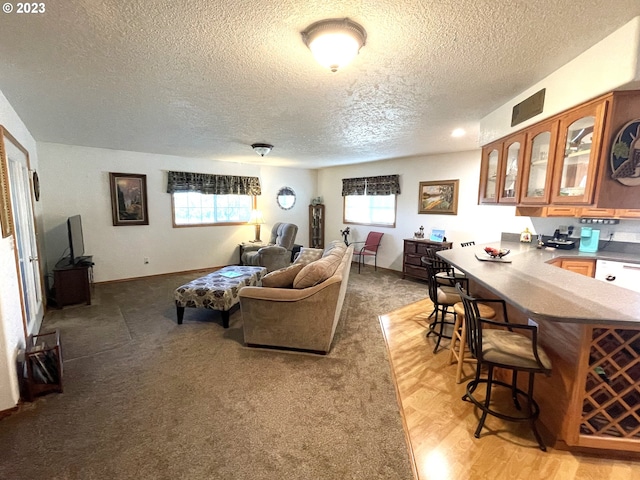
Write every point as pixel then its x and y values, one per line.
pixel 631 267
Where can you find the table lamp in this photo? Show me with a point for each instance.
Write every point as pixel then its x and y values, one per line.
pixel 256 219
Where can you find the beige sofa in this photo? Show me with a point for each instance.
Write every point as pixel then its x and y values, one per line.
pixel 298 318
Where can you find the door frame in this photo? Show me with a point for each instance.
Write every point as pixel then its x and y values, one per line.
pixel 9 209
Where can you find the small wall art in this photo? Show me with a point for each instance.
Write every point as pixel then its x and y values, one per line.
pixel 438 197
pixel 128 199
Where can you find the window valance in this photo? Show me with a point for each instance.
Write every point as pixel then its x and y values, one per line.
pixel 381 185
pixel 212 184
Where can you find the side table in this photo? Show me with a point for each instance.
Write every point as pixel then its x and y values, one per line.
pixel 248 246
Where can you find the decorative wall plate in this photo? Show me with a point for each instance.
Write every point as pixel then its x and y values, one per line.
pixel 36 186
pixel 625 154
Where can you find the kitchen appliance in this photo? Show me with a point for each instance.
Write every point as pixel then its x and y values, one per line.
pixel 589 239
pixel 620 274
pixel 561 238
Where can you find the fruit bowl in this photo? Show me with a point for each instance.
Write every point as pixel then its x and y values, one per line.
pixel 496 253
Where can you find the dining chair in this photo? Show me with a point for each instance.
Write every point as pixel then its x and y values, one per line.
pixel 369 248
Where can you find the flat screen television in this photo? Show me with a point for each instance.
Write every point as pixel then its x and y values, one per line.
pixel 76 240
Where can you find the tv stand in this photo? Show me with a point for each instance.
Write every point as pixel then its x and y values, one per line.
pixel 72 283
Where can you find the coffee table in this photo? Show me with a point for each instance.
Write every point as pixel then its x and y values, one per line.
pixel 217 290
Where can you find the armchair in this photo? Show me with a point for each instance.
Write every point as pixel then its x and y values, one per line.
pixel 277 254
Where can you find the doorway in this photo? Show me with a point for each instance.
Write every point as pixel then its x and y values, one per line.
pixel 22 225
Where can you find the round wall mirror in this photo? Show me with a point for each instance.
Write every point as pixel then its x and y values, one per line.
pixel 286 198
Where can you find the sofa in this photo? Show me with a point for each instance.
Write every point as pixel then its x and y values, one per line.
pixel 277 254
pixel 302 312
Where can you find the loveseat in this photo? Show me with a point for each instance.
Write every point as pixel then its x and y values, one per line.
pixel 303 316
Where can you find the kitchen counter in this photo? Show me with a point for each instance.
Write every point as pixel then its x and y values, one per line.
pixel 544 291
pixel 591 331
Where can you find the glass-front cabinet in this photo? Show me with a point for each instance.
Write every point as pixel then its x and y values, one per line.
pixel 509 168
pixel 501 162
pixel 579 139
pixel 489 173
pixel 537 169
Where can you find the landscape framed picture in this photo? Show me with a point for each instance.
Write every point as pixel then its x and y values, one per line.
pixel 128 199
pixel 438 197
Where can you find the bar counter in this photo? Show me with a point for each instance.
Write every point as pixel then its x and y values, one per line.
pixel 591 331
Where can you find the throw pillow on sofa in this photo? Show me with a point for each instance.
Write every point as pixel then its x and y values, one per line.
pixel 282 278
pixel 334 246
pixel 308 255
pixel 317 272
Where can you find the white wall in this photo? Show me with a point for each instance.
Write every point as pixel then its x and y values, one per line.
pixel 11 323
pixel 481 223
pixel 610 64
pixel 75 180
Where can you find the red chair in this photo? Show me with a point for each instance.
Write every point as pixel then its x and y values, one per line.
pixel 369 249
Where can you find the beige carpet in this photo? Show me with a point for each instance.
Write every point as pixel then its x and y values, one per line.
pixel 146 398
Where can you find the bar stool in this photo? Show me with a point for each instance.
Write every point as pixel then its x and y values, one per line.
pixel 443 294
pixel 458 354
pixel 499 346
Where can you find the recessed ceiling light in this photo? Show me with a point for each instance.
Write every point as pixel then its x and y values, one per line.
pixel 458 132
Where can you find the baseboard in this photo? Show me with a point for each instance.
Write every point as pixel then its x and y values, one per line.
pixel 182 272
pixel 7 412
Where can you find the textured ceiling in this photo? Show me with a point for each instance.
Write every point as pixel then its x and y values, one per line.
pixel 207 79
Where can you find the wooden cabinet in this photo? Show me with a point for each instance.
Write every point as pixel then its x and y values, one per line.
pixel 567 162
pixel 72 284
pixel 585 267
pixel 499 171
pixel 489 173
pixel 537 166
pixel 316 226
pixel 577 154
pixel 414 250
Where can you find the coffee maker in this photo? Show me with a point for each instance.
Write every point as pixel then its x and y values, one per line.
pixel 589 239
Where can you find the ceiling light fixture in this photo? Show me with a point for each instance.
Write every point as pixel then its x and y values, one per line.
pixel 334 42
pixel 262 149
pixel 458 132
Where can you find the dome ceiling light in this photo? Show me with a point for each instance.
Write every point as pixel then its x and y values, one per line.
pixel 262 149
pixel 334 42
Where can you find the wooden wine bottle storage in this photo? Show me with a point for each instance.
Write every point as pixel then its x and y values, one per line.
pixel 611 401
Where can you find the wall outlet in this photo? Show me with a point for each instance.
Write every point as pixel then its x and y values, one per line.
pixel 532 322
pixel 146 260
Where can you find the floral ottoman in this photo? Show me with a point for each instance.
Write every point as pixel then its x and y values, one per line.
pixel 218 290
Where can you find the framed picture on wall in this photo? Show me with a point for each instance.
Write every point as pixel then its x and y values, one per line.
pixel 128 199
pixel 439 197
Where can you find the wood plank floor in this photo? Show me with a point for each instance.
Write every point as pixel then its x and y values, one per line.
pixel 440 426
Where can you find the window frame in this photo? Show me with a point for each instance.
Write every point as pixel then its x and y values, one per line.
pixel 386 225
pixel 214 224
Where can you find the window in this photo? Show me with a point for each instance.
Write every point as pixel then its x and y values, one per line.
pixel 370 210
pixel 194 208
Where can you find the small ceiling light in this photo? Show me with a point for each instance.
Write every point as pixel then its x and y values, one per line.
pixel 334 42
pixel 262 149
pixel 458 132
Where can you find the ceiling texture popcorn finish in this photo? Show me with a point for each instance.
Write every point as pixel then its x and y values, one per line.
pixel 205 79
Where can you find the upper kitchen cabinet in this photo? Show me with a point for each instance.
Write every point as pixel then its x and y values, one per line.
pixel 489 173
pixel 537 165
pixel 509 168
pixel 499 171
pixel 577 154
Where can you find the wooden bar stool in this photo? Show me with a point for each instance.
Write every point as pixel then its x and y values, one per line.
pixel 457 353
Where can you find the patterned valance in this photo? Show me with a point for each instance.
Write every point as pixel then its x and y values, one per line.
pixel 382 185
pixel 212 184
